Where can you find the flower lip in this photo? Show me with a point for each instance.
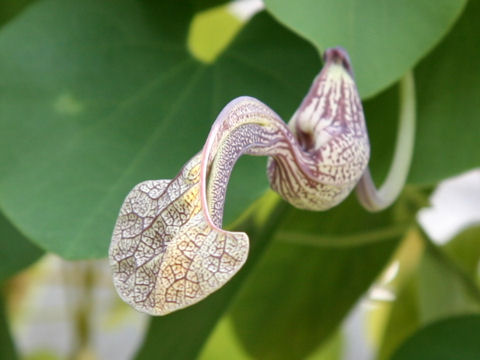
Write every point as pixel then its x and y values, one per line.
pixel 338 55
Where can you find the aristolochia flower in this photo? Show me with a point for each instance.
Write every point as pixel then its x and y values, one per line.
pixel 169 250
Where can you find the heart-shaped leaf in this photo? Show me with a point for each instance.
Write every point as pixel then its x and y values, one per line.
pixel 116 98
pixel 384 38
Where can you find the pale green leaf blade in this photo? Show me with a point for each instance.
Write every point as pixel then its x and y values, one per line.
pixel 384 38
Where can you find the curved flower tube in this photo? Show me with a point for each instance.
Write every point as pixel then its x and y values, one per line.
pixel 168 249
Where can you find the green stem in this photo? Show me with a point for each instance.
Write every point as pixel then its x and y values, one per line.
pixel 368 195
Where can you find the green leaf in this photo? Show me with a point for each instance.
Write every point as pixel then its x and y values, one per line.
pixel 205 41
pixel 450 66
pixel 16 251
pixel 224 341
pixel 200 5
pixel 442 292
pixel 454 338
pixel 330 349
pixel 448 90
pixel 7 349
pixel 305 284
pixel 10 8
pixel 115 98
pixel 384 38
pixel 464 250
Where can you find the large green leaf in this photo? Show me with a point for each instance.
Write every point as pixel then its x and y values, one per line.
pixel 448 89
pixel 307 282
pixel 16 251
pixel 384 38
pixel 114 98
pixel 454 338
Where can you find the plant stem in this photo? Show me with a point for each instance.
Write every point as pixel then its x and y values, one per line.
pixel 368 195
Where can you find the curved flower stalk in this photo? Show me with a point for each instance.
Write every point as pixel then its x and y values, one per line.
pixel 168 249
pixel 368 195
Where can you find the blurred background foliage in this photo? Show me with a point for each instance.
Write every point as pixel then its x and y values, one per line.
pixel 96 96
